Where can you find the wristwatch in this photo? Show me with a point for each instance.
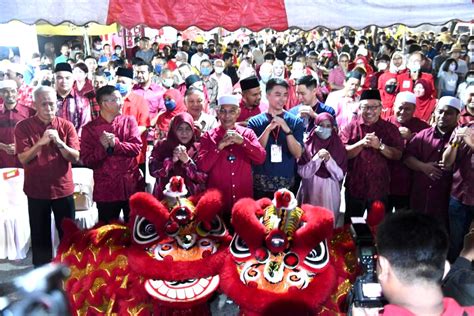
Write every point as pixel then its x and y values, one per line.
pixel 382 146
pixel 289 133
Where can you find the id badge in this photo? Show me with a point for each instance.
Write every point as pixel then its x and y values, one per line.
pixel 276 155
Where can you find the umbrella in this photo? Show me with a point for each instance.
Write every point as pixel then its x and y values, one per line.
pixel 232 15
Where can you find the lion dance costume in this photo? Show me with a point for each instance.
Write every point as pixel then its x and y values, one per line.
pixel 280 261
pixel 166 262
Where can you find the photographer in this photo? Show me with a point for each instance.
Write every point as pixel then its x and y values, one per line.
pixel 412 251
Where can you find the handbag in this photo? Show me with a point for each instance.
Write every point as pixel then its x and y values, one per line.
pixel 82 197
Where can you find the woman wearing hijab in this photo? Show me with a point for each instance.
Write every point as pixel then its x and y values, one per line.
pixel 425 103
pixel 322 166
pixel 174 104
pixel 175 156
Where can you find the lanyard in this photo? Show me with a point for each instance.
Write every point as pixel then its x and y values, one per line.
pixel 275 134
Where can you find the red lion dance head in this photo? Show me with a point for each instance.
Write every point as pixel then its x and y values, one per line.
pixel 280 260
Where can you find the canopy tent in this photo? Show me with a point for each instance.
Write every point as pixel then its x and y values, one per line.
pixel 231 15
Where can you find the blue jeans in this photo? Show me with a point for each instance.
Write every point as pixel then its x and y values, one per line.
pixel 460 217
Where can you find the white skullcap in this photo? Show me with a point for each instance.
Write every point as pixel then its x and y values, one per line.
pixel 228 99
pixel 362 51
pixel 451 102
pixel 405 96
pixel 8 84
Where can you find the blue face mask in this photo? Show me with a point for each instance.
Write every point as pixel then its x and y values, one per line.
pixel 122 88
pixel 170 105
pixel 158 69
pixel 205 71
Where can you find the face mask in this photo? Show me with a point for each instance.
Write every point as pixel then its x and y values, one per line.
pixel 46 83
pixel 382 66
pixel 470 79
pixel 158 69
pixel 205 71
pixel 452 67
pixel 219 70
pixel 414 67
pixel 323 132
pixel 122 88
pixel 265 77
pixel 325 45
pixel 168 83
pixel 118 52
pixel 170 105
pixel 390 88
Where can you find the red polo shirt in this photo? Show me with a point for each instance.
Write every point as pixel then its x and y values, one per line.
pixel 430 196
pixel 47 176
pixel 368 174
pixel 136 106
pixel 8 120
pixel 463 177
pixel 400 174
pixel 246 113
pixel 451 308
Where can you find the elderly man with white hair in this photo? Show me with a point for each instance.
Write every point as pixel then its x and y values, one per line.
pixel 12 113
pixel 227 154
pixel 47 145
pixel 408 126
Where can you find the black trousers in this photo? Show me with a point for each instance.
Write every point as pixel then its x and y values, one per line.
pixel 39 211
pixel 356 207
pixel 110 211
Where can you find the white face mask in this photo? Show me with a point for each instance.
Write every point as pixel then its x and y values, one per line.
pixel 323 132
pixel 382 66
pixel 414 67
pixel 168 83
pixel 265 77
pixel 219 70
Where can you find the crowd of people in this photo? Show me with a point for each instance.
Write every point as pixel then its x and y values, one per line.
pixel 302 111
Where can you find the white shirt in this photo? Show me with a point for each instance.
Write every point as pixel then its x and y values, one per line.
pixel 196 60
pixel 224 84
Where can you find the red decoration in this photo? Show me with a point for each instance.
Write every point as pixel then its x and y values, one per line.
pixel 176 184
pixel 282 198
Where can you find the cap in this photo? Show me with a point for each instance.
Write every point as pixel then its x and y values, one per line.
pixel 8 84
pixel 228 99
pixel 249 83
pixel 62 67
pixel 191 79
pixel 353 74
pixel 451 102
pixel 405 97
pixel 124 72
pixel 370 95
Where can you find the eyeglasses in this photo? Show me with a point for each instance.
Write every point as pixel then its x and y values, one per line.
pixel 344 61
pixel 370 108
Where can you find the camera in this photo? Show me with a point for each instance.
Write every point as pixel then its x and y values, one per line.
pixel 39 292
pixel 366 291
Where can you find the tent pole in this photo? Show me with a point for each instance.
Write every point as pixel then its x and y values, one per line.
pixel 87 45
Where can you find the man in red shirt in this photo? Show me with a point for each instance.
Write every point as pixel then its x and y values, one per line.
pixel 46 146
pixel 227 153
pixel 412 250
pixel 370 144
pixel 431 179
pixel 136 106
pixel 10 115
pixel 408 126
pixel 25 92
pixel 250 104
pixel 406 80
pixel 109 146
